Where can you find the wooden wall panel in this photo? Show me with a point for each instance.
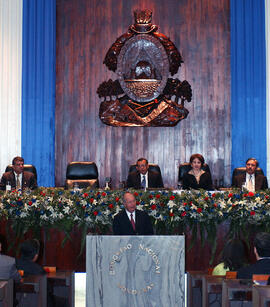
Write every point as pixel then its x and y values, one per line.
pixel 85 31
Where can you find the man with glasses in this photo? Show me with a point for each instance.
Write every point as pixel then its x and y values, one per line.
pixel 131 221
pixel 144 178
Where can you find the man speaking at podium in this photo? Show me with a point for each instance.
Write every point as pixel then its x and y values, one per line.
pixel 131 221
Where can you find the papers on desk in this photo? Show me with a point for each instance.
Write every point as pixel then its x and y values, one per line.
pixel 179 192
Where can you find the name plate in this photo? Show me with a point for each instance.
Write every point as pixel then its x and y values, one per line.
pixel 135 271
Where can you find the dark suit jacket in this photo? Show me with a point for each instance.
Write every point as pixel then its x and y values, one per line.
pixel 122 224
pixel 28 180
pixel 29 267
pixel 260 181
pixel 154 180
pixel 260 267
pixel 190 182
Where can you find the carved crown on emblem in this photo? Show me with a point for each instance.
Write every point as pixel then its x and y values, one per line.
pixel 143 94
pixel 143 17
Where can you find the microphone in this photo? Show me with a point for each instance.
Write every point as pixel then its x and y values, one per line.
pixel 108 183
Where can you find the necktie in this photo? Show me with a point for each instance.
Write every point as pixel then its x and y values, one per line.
pixel 18 184
pixel 250 185
pixel 143 183
pixel 132 221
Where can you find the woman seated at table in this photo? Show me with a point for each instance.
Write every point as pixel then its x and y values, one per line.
pixel 234 256
pixel 197 178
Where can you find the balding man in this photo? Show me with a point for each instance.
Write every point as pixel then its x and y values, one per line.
pixel 131 221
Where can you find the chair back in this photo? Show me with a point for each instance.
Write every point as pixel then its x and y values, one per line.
pixel 236 292
pixel 152 167
pixel 194 287
pixel 32 291
pixel 27 167
pixel 85 174
pixel 212 290
pixel 260 296
pixel 186 167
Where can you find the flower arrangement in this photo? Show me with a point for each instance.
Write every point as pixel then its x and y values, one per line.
pixel 171 212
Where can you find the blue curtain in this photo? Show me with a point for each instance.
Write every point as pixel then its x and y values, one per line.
pixel 248 82
pixel 38 87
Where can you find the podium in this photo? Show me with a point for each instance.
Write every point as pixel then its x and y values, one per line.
pixel 135 271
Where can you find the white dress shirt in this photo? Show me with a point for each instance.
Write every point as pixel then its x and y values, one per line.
pixel 133 215
pixel 20 178
pixel 250 182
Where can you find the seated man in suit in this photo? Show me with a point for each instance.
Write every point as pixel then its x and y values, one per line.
pixel 131 221
pixel 262 253
pixel 144 178
pixel 7 266
pixel 18 178
pixel 29 255
pixel 252 181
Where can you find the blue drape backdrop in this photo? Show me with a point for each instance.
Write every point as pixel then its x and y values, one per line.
pixel 38 87
pixel 248 82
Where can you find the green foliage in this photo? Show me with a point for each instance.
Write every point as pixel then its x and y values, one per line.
pixel 171 212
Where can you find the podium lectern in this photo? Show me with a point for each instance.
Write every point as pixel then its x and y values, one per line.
pixel 135 271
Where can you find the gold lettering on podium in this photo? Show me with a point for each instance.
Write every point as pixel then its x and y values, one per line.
pixel 117 259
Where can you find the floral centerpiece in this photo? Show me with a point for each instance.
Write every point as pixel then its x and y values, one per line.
pixel 171 212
